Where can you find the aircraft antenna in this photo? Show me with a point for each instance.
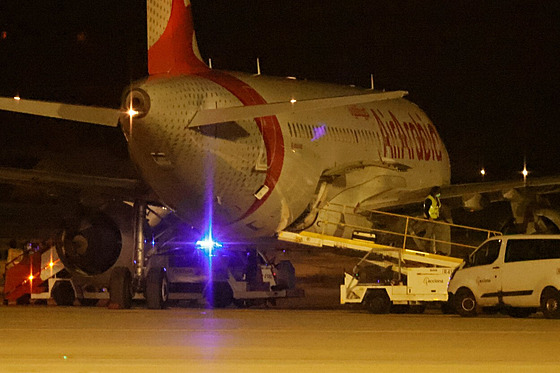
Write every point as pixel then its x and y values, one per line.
pixel 371 80
pixel 258 66
pixel 210 63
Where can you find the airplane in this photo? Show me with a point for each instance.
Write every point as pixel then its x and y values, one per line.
pixel 241 156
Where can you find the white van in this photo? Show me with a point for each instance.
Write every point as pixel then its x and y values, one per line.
pixel 519 274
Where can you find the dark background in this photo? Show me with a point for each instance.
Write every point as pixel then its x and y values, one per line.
pixel 486 72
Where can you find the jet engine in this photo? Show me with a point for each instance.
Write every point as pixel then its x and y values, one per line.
pixel 93 243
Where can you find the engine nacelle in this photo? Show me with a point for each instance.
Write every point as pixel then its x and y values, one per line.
pixel 92 244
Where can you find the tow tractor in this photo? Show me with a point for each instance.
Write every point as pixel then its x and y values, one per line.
pixel 217 276
pixel 390 278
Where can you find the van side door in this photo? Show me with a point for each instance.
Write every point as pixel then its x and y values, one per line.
pixel 527 265
pixel 484 272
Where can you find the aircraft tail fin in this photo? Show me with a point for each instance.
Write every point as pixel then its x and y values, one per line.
pixel 172 46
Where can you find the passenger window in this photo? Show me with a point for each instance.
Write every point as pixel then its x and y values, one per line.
pixel 486 254
pixel 524 250
pixel 549 249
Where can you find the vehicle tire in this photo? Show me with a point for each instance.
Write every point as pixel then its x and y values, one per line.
pixel 220 295
pixel 550 303
pixel 465 303
pixel 63 293
pixel 157 289
pixel 377 302
pixel 519 312
pixel 120 288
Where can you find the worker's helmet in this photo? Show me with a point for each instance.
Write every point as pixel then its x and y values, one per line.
pixel 435 191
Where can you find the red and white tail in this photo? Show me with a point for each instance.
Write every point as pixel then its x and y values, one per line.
pixel 172 47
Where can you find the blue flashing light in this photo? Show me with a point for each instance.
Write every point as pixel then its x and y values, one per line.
pixel 208 245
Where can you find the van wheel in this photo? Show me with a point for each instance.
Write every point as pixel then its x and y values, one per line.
pixel 550 304
pixel 377 302
pixel 465 303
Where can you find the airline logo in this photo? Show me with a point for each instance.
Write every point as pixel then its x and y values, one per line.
pixel 408 140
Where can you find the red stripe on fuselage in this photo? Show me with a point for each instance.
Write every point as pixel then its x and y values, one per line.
pixel 268 126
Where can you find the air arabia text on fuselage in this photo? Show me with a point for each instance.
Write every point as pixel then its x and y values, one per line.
pixel 412 140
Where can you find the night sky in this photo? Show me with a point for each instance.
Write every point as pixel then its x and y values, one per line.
pixel 486 72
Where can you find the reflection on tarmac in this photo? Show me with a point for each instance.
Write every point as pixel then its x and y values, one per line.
pixel 74 339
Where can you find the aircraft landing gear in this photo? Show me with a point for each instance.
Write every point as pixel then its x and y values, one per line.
pixel 122 285
pixel 120 288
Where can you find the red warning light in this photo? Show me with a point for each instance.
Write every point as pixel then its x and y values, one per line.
pixel 4 35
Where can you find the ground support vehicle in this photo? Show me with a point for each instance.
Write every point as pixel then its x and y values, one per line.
pixel 387 278
pixel 409 293
pixel 218 278
pixel 517 275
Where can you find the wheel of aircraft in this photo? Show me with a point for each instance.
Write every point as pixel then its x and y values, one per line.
pixel 157 289
pixel 120 287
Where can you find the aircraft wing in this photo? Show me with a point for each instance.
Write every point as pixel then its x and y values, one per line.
pixel 549 184
pixel 78 113
pixel 125 188
pixel 495 190
pixel 221 115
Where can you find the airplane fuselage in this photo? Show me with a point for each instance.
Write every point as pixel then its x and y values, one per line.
pixel 257 176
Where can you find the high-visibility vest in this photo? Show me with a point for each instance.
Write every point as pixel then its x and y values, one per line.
pixel 434 207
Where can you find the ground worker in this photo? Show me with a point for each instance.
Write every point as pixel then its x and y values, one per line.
pixel 432 204
pixel 435 231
